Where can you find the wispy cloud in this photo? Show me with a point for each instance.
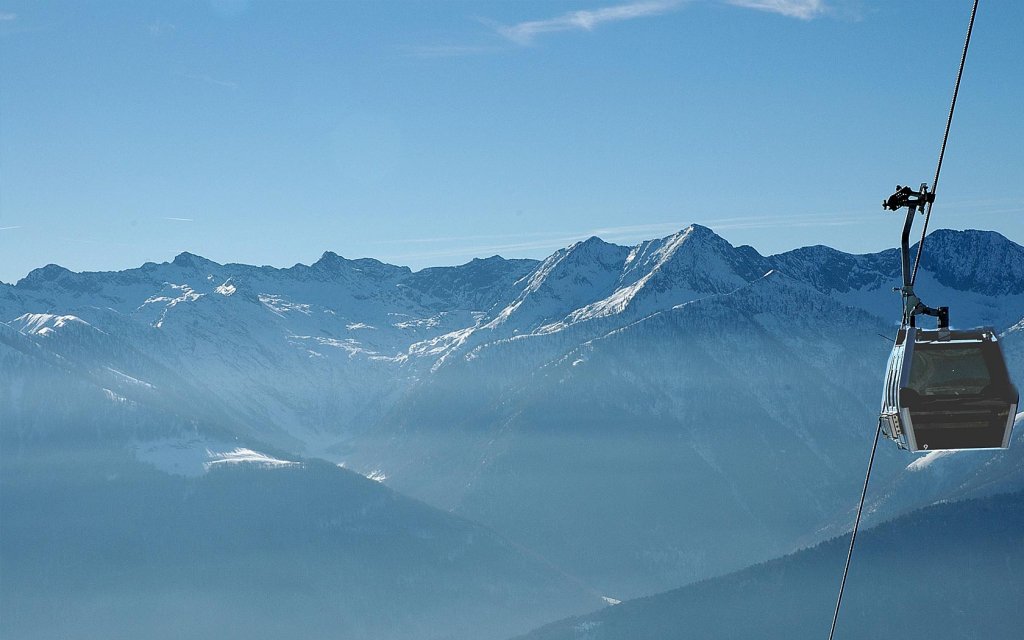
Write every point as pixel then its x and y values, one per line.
pixel 9 228
pixel 503 248
pixel 801 9
pixel 179 219
pixel 160 28
pixel 202 77
pixel 970 209
pixel 104 241
pixel 453 50
pixel 524 33
pixel 491 236
pixel 7 16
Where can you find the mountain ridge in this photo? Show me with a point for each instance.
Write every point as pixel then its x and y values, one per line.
pixel 651 370
pixel 997 248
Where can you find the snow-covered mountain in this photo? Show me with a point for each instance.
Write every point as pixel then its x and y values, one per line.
pixel 640 416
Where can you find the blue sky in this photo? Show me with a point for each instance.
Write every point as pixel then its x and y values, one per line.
pixel 430 133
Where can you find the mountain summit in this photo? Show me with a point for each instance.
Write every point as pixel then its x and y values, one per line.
pixel 641 416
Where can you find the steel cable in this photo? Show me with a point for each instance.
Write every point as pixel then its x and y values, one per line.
pixel 945 137
pixel 856 526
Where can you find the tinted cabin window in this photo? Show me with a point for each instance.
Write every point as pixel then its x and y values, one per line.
pixel 949 370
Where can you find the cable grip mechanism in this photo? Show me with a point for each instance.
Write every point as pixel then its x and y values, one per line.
pixel 907 197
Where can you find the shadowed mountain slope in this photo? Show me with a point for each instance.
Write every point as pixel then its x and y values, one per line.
pixel 949 571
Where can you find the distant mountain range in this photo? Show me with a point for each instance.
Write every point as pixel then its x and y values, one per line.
pixel 631 418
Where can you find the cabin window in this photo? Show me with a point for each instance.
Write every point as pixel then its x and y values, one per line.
pixel 949 370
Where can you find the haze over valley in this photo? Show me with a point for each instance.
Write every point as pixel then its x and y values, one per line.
pixel 351 448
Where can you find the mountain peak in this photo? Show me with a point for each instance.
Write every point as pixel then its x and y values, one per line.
pixel 188 260
pixel 39 277
pixel 692 250
pixel 331 265
pixel 699 230
pixel 704 236
pixel 957 235
pixel 592 241
pixel 329 258
pixel 971 259
pixel 594 249
pixel 492 259
pixel 693 237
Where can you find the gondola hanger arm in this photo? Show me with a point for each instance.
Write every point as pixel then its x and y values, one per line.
pixel 912 305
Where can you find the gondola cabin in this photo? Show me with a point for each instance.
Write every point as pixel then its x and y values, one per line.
pixel 948 390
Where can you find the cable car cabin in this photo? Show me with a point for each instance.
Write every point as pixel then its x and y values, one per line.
pixel 948 390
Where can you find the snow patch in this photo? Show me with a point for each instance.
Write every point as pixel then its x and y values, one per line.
pixel 350 346
pixel 226 289
pixel 928 460
pixel 45 324
pixel 113 397
pixel 192 457
pixel 611 601
pixel 240 455
pixel 280 306
pixel 171 296
pixel 377 475
pixel 178 456
pixel 130 380
pixel 186 294
pixel 419 323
